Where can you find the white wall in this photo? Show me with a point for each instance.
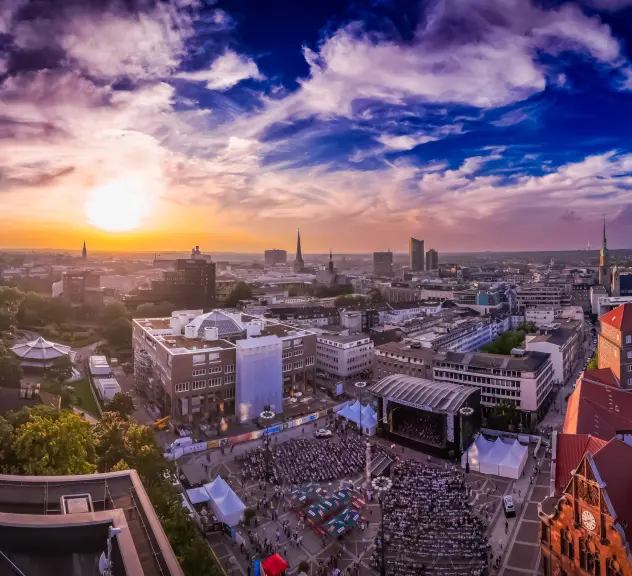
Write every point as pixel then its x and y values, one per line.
pixel 557 358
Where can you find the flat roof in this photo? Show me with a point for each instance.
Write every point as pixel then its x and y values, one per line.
pixel 343 339
pixel 530 362
pixel 405 349
pixel 30 511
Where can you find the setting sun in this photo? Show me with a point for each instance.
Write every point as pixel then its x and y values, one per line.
pixel 118 206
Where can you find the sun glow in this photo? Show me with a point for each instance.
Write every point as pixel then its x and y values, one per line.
pixel 118 206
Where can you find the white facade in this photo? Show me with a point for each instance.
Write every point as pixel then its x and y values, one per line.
pixel 543 315
pixel 259 377
pixel 107 388
pixel 99 366
pixel 464 336
pixel 344 357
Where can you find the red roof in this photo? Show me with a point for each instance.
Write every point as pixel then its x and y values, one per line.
pixel 274 565
pixel 569 453
pixel 619 318
pixel 614 464
pixel 602 376
pixel 597 409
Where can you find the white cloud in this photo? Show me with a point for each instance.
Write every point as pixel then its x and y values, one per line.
pixel 226 71
pixel 404 142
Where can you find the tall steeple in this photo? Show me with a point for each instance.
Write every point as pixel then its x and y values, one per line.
pixel 299 264
pixel 84 252
pixel 331 261
pixel 604 261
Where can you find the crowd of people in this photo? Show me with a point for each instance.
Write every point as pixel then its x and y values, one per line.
pixel 427 429
pixel 429 526
pixel 308 460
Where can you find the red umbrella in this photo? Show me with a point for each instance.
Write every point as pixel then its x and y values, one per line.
pixel 274 565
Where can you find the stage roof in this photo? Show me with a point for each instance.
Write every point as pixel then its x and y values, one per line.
pixel 438 396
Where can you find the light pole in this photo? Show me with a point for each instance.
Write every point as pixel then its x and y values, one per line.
pixel 361 386
pixel 267 415
pixel 382 485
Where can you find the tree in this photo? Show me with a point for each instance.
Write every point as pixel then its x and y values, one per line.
pixel 109 441
pixel 112 312
pixel 146 310
pixel 61 369
pixel 241 291
pixel 10 372
pixel 6 320
pixel 375 296
pixel 593 363
pixel 119 333
pixel 60 447
pixel 7 457
pixel 10 299
pixel 345 300
pixel 122 404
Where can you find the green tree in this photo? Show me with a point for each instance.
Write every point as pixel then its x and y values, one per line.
pixel 10 299
pixel 58 447
pixel 61 369
pixel 593 363
pixel 123 404
pixel 119 333
pixel 6 320
pixel 345 300
pixel 109 440
pixel 241 291
pixel 7 456
pixel 10 372
pixel 146 310
pixel 112 312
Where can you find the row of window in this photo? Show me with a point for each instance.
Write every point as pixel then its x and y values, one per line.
pixel 201 384
pixel 229 368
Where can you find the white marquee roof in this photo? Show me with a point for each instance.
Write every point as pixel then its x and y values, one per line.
pixel 40 349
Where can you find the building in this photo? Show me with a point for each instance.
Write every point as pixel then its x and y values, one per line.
pixel 563 341
pixel 402 358
pixel 274 257
pixel 588 528
pixel 82 287
pixel 84 252
pixel 615 343
pixel 362 320
pixel 305 316
pixel 223 288
pixel 194 365
pixel 60 524
pixel 39 353
pixel 432 259
pixel 604 261
pixel 344 358
pixel 398 312
pixel 546 315
pixel 416 254
pixel 383 264
pixel 329 275
pixel 299 263
pixel 543 294
pixel 523 380
pixel 466 334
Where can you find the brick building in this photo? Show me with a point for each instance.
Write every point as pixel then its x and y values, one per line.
pixel 615 343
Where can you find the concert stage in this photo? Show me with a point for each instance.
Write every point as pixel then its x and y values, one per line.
pixel 437 418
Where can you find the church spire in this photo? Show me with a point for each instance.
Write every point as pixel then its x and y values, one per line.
pixel 331 261
pixel 299 264
pixel 84 252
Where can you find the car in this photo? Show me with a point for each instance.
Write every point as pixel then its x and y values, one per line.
pixel 508 506
pixel 323 433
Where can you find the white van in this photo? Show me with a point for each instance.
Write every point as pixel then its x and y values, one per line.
pixel 508 506
pixel 181 442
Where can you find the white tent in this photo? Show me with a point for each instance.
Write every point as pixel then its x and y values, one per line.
pixel 498 458
pixel 225 503
pixel 361 415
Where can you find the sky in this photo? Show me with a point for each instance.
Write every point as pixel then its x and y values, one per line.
pixel 471 124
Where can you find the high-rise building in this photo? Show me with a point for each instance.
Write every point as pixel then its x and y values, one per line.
pixel 275 256
pixel 82 287
pixel 416 254
pixel 604 261
pixel 432 259
pixel 191 285
pixel 84 252
pixel 615 343
pixel 299 263
pixel 383 263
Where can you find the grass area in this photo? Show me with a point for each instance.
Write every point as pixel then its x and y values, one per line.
pixel 85 398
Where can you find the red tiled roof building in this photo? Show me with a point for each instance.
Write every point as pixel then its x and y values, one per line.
pixel 615 344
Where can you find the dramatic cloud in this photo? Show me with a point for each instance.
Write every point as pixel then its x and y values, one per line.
pixel 226 71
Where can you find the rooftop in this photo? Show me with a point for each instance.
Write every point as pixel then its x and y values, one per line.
pixel 342 338
pixel 71 543
pixel 598 409
pixel 405 349
pixel 558 336
pixel 570 450
pixel 619 318
pixel 439 396
pixel 530 362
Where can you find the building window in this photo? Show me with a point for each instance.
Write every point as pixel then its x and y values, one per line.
pixel 287 367
pixel 229 369
pixel 566 544
pixel 286 355
pixel 628 339
pixel 309 361
pixel 201 372
pixel 229 379
pixel 613 568
pixel 582 554
pixel 182 387
pixel 215 370
pixel 199 385
pixel 298 364
pixel 215 382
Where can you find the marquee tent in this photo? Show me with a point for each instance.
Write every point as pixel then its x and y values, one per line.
pixel 226 505
pixel 496 457
pixel 274 565
pixel 361 415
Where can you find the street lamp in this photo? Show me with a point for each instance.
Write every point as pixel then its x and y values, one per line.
pixel 382 485
pixel 361 386
pixel 267 415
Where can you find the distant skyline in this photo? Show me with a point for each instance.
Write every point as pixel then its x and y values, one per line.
pixel 475 125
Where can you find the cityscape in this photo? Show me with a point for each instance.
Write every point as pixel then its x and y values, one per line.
pixel 315 289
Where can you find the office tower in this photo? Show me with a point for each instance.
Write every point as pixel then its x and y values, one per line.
pixel 274 257
pixel 299 264
pixel 383 263
pixel 432 259
pixel 416 253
